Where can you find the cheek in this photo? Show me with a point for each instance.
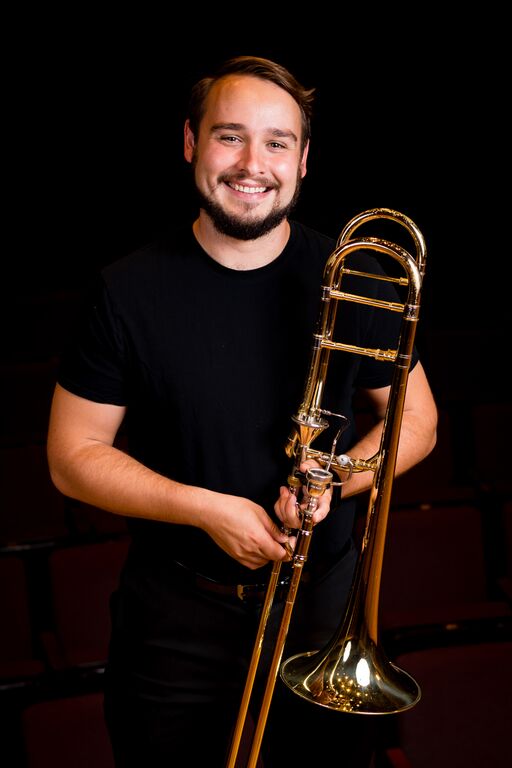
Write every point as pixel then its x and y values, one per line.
pixel 287 171
pixel 214 163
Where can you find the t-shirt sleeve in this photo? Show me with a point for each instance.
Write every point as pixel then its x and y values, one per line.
pixel 94 365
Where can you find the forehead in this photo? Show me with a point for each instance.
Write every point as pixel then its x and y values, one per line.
pixel 252 102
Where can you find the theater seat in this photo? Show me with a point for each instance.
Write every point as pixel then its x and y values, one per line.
pixel 463 717
pixel 33 510
pixel 18 659
pixel 82 579
pixel 434 569
pixel 438 478
pixel 67 733
pixel 492 426
pixel 505 577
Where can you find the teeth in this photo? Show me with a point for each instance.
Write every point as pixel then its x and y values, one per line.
pixel 248 190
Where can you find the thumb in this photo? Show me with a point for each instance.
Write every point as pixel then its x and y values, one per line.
pixel 278 534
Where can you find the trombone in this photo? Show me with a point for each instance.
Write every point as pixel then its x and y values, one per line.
pixel 351 673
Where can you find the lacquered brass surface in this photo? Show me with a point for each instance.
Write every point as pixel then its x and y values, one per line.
pixel 351 674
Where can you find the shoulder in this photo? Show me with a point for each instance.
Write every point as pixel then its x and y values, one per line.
pixel 308 238
pixel 152 265
pixel 315 248
pixel 308 251
pixel 151 256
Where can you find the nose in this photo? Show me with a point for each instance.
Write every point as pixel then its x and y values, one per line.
pixel 250 159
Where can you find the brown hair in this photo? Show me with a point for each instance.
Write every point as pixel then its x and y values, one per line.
pixel 256 67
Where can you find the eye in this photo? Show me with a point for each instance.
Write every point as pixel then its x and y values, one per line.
pixel 230 139
pixel 276 145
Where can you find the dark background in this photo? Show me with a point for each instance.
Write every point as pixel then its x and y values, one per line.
pixel 410 114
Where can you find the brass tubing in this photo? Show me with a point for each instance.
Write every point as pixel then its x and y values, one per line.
pixel 317 482
pixel 352 673
pixel 253 666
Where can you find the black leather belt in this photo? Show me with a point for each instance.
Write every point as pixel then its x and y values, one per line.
pixel 246 593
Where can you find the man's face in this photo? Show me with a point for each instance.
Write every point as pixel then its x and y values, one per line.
pixel 247 159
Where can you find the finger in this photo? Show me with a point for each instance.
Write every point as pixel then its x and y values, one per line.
pixel 290 548
pixel 280 506
pixel 292 516
pixel 308 464
pixel 322 509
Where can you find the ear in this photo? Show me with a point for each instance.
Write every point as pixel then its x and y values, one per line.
pixel 303 162
pixel 189 142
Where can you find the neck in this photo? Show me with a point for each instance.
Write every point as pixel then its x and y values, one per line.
pixel 240 254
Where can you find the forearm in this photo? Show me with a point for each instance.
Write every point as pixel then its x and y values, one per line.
pixel 84 464
pixel 417 439
pixel 108 478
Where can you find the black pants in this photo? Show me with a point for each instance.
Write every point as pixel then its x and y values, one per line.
pixel 173 693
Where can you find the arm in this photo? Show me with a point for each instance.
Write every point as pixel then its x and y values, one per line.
pixel 417 439
pixel 84 464
pixel 417 433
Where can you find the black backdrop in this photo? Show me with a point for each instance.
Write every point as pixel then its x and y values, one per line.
pixel 409 117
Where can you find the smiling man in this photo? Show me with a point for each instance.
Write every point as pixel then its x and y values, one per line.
pixel 249 176
pixel 199 344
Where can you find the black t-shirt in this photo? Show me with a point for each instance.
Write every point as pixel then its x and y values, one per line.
pixel 210 363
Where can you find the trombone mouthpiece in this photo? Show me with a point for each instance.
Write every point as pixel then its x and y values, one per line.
pixel 317 479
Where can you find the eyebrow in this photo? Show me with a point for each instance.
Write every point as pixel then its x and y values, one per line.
pixel 276 132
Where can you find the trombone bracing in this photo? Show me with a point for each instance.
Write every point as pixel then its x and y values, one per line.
pixel 351 673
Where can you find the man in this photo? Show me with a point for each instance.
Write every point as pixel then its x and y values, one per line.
pixel 199 345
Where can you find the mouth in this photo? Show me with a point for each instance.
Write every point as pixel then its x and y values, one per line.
pixel 248 189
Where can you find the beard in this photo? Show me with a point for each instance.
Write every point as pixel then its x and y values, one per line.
pixel 241 228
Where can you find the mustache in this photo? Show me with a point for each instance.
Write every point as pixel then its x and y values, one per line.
pixel 236 178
